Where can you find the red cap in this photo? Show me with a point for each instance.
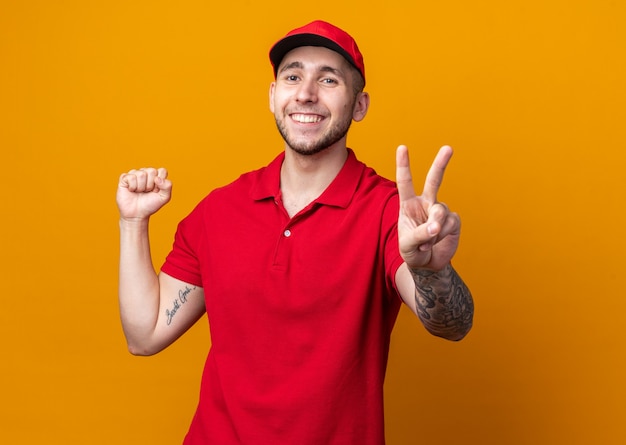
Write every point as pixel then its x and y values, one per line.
pixel 319 33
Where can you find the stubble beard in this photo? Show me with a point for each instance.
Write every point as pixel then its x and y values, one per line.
pixel 311 147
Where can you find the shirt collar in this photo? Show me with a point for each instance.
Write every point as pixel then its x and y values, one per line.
pixel 339 193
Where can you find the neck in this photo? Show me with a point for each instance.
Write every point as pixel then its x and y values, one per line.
pixel 305 177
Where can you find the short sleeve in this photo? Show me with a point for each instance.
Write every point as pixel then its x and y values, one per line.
pixel 390 246
pixel 182 262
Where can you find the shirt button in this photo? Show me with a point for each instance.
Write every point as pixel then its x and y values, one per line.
pixel 287 233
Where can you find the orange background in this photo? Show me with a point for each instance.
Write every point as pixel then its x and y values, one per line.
pixel 530 93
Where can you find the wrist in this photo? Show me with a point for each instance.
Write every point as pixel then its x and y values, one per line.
pixel 421 275
pixel 139 223
pixel 424 271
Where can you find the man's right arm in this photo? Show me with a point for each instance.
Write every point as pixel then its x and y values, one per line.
pixel 155 309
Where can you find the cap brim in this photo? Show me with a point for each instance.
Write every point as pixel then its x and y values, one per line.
pixel 282 47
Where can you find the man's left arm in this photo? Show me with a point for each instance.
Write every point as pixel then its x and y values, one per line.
pixel 428 236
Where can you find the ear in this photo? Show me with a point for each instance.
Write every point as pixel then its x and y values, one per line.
pixel 272 88
pixel 361 105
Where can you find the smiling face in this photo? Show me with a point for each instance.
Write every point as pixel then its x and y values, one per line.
pixel 314 100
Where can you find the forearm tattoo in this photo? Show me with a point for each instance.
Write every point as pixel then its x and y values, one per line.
pixel 444 303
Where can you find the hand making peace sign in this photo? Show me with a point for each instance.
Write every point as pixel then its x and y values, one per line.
pixel 428 233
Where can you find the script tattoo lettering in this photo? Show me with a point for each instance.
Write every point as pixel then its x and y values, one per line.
pixel 444 303
pixel 183 295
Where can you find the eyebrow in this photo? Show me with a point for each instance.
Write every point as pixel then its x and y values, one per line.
pixel 330 69
pixel 291 66
pixel 323 69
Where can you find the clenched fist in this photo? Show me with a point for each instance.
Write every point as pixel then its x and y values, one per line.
pixel 141 193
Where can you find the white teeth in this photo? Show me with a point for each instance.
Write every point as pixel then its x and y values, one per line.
pixel 306 118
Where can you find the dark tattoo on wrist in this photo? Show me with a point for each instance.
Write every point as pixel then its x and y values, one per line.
pixel 444 303
pixel 183 295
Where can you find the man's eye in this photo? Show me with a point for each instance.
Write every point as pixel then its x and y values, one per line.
pixel 292 78
pixel 329 81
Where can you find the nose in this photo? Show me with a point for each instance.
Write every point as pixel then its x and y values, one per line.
pixel 307 91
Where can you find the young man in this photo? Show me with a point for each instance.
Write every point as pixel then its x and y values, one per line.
pixel 301 266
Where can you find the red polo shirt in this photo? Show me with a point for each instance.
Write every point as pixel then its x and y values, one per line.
pixel 301 309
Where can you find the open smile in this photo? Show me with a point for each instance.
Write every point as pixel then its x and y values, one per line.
pixel 306 118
